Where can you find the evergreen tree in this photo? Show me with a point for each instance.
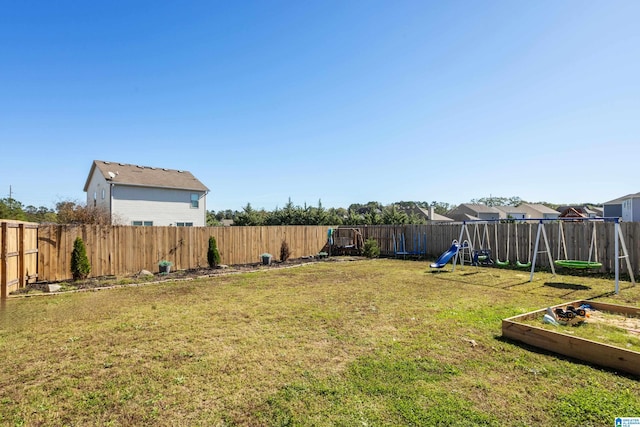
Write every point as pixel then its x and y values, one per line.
pixel 284 251
pixel 80 267
pixel 213 255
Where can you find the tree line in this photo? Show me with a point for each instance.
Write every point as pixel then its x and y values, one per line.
pixel 371 213
pixel 65 212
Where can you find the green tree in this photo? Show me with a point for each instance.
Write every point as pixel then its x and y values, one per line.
pixel 213 255
pixel 80 267
pixel 441 208
pixel 353 218
pixel 391 215
pixel 414 218
pixel 335 216
pixel 40 214
pixel 10 208
pixel 212 220
pixel 497 201
pixel 250 216
pixel 371 248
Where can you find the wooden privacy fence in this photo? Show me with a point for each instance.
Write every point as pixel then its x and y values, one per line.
pixel 18 255
pixel 122 250
pixel 519 238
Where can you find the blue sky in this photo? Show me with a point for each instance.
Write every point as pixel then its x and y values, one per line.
pixel 339 101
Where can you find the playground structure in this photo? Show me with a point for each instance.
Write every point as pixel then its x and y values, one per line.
pixel 345 241
pixel 447 255
pixel 418 247
pixel 475 248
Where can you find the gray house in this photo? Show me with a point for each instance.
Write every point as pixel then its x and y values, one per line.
pixel 626 207
pixel 428 214
pixel 539 211
pixel 514 212
pixel 148 196
pixel 469 211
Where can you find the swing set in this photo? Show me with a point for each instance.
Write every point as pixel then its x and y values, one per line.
pixel 475 250
pixel 541 246
pixel 591 263
pixel 507 261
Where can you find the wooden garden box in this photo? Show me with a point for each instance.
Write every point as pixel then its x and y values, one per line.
pixel 579 348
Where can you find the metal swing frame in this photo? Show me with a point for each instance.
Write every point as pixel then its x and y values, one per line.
pixel 618 242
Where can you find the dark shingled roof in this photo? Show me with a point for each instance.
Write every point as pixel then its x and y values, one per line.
pixel 619 200
pixel 145 176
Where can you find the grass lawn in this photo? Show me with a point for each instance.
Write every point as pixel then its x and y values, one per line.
pixel 367 343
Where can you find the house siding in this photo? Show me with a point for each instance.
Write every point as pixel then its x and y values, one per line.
pixel 481 212
pixel 631 209
pixel 535 212
pixel 96 185
pixel 162 206
pixel 488 216
pixel 612 211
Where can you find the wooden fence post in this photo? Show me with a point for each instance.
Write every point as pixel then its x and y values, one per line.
pixel 4 250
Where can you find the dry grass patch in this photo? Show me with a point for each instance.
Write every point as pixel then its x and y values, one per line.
pixel 371 342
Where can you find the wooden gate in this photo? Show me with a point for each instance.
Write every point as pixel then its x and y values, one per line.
pixel 18 255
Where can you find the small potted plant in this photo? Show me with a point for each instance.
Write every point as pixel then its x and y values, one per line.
pixel 164 266
pixel 266 259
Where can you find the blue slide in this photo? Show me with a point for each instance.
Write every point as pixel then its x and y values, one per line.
pixel 445 257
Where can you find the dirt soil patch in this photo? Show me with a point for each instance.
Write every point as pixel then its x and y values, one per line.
pixel 140 278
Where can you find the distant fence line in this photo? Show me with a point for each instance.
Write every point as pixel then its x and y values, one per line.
pixel 125 250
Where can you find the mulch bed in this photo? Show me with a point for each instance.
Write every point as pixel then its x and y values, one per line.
pixel 106 282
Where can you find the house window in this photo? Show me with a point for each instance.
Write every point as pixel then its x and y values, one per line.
pixel 195 200
pixel 184 224
pixel 104 193
pixel 142 223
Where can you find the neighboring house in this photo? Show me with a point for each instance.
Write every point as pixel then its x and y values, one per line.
pixel 572 213
pixel 468 211
pixel 142 195
pixel 428 214
pixel 626 207
pixel 538 211
pixel 598 211
pixel 513 212
pixel 578 212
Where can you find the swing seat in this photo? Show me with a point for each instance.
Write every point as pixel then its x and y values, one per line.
pixel 574 263
pixel 502 263
pixel 523 264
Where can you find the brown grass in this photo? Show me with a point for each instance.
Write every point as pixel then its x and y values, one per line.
pixel 375 342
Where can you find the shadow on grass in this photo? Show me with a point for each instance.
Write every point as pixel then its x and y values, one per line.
pixel 526 282
pixel 470 273
pixel 570 286
pixel 559 356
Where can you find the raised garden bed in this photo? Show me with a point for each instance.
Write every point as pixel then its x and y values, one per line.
pixel 529 329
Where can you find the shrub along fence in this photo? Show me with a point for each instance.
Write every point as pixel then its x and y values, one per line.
pixel 122 250
pixel 18 255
